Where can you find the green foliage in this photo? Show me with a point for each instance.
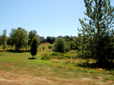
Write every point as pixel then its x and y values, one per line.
pixel 19 38
pixel 50 40
pixel 43 47
pixel 31 34
pixel 50 46
pixel 34 46
pixel 72 45
pixel 58 55
pixel 111 72
pixel 96 33
pixel 4 40
pixel 46 57
pixel 60 45
pixel 8 41
pixel 68 48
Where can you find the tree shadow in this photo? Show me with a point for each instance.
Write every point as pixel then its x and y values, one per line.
pixel 32 58
pixel 107 65
pixel 20 51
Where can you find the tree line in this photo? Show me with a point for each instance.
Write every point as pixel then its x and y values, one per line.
pixel 18 38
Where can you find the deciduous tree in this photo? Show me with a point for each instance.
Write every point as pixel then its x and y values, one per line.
pixel 4 40
pixel 19 38
pixel 60 45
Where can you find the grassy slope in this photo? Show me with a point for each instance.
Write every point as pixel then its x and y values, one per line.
pixel 57 71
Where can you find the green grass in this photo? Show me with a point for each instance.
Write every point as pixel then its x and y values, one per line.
pixel 19 63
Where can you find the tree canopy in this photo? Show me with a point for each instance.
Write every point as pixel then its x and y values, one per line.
pixel 4 40
pixel 59 45
pixel 19 38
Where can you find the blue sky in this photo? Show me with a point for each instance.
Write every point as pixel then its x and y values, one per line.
pixel 47 17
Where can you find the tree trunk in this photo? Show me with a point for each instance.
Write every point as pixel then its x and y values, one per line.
pixel 33 57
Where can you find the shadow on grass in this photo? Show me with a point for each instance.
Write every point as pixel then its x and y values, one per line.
pixel 108 65
pixel 32 58
pixel 20 51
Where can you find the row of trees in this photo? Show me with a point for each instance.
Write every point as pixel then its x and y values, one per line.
pixel 18 38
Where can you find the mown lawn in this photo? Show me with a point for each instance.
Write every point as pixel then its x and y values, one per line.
pixel 60 72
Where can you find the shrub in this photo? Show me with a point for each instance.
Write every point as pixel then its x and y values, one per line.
pixel 60 45
pixel 50 46
pixel 68 48
pixel 58 55
pixel 43 47
pixel 111 72
pixel 45 57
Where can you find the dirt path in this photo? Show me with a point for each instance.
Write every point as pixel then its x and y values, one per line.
pixel 7 78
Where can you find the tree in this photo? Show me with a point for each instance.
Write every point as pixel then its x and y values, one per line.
pixel 4 40
pixel 60 45
pixel 50 46
pixel 10 42
pixel 96 30
pixel 19 38
pixel 34 46
pixel 32 33
pixel 43 47
pixel 50 40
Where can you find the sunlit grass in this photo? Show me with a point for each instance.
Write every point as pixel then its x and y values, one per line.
pixel 21 63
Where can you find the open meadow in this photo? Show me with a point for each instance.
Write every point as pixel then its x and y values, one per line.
pixel 18 68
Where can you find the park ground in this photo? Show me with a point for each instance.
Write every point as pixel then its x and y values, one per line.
pixel 18 68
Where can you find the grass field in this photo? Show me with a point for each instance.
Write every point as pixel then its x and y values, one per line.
pixel 20 69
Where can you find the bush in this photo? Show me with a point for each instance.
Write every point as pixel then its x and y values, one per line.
pixel 58 55
pixel 72 45
pixel 45 57
pixel 50 46
pixel 111 72
pixel 43 47
pixel 68 48
pixel 60 45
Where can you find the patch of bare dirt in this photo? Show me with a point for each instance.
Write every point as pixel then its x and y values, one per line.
pixel 8 78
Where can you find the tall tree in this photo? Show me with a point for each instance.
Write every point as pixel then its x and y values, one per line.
pixel 4 40
pixel 19 38
pixel 34 46
pixel 96 29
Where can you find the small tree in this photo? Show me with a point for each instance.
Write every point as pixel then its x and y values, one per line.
pixel 60 45
pixel 50 46
pixel 34 45
pixel 43 47
pixel 4 40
